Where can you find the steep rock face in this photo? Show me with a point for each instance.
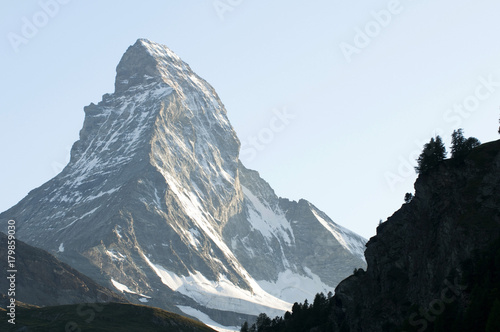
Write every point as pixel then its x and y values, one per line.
pixel 42 279
pixel 292 240
pixel 416 262
pixel 156 204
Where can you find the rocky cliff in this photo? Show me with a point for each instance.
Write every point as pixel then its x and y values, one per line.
pixel 421 260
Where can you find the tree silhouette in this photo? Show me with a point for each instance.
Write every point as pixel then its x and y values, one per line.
pixel 263 323
pixel 460 146
pixel 244 327
pixel 433 153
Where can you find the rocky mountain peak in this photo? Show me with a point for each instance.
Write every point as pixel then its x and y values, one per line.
pixel 156 204
pixel 143 63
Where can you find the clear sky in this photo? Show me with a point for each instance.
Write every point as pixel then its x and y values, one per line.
pixel 333 100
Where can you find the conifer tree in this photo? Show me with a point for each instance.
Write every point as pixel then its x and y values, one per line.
pixel 457 142
pixel 460 146
pixel 244 327
pixel 433 153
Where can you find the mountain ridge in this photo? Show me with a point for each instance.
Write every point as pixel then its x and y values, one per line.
pixel 101 317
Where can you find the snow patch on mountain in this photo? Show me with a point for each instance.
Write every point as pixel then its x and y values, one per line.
pixel 267 221
pixel 115 256
pixel 294 287
pixel 221 294
pixel 344 236
pixel 100 194
pixel 121 287
pixel 117 231
pixel 206 319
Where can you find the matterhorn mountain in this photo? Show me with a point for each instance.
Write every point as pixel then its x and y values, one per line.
pixel 156 205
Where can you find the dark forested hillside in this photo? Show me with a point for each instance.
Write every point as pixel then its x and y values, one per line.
pixel 100 317
pixel 434 265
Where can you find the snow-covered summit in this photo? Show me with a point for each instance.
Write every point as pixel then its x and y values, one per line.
pixel 141 64
pixel 146 62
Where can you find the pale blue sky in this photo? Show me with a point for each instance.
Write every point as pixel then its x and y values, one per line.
pixel 357 119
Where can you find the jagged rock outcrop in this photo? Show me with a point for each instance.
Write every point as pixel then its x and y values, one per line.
pixel 419 263
pixel 156 204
